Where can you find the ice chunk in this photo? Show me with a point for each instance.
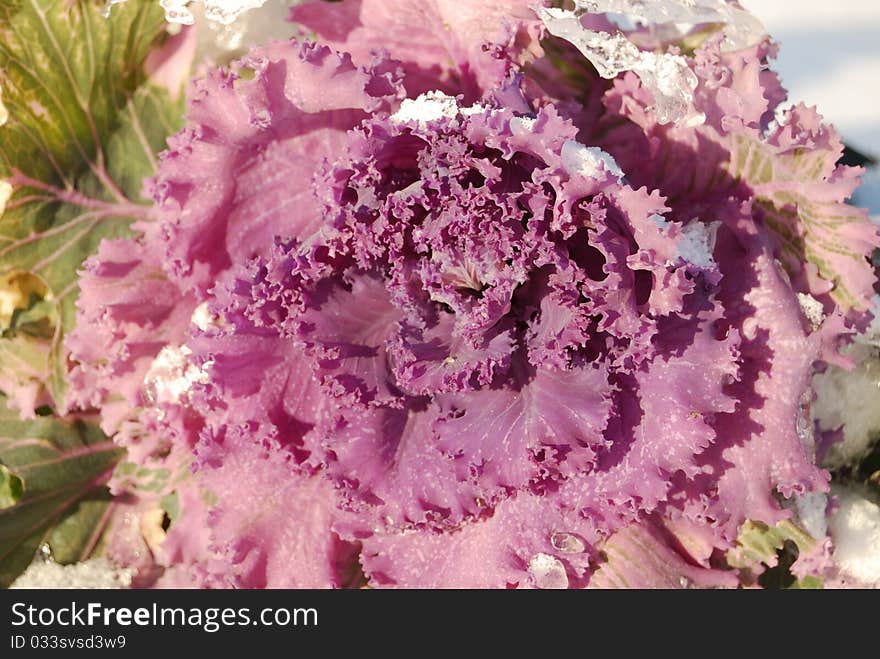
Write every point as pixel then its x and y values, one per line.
pixel 811 508
pixel 740 27
pixel 548 572
pixel 567 543
pixel 668 76
pixel 180 12
pixel 219 11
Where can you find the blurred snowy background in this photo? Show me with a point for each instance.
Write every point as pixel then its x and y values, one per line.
pixel 830 57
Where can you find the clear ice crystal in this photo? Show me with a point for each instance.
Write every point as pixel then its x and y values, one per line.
pixel 667 75
pixel 740 27
pixel 567 543
pixel 548 572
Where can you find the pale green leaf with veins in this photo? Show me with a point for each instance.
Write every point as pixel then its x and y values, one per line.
pixel 82 132
pixel 759 544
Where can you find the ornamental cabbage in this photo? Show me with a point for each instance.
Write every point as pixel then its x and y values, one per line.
pixel 423 300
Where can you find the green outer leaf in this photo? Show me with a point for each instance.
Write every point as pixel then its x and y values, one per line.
pixel 67 74
pixel 82 134
pixel 61 466
pixel 758 543
pixel 811 229
pixel 10 488
pixel 808 583
pixel 76 534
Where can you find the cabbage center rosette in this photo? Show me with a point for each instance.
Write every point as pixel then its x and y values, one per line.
pixel 483 316
pixel 448 343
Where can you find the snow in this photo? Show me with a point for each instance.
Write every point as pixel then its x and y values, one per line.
pixel 588 161
pixel 811 509
pixel 855 529
pixel 849 399
pixel 202 318
pixel 171 376
pixel 697 243
pixel 43 572
pixel 430 106
pixel 812 308
pixel 522 125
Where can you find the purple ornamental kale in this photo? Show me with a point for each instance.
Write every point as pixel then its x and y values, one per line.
pixel 435 317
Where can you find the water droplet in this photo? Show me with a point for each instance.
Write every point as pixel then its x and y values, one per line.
pixel 684 582
pixel 567 543
pixel 548 572
pixel 261 119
